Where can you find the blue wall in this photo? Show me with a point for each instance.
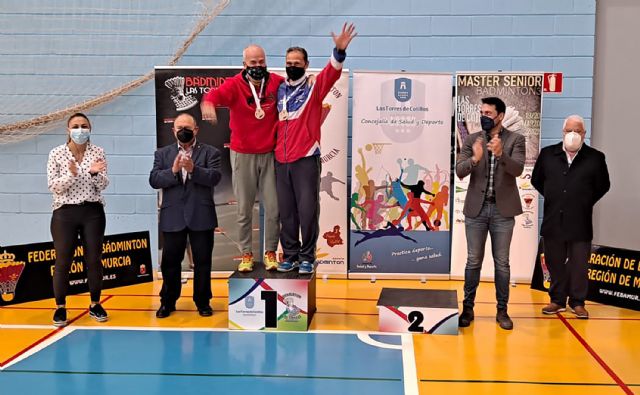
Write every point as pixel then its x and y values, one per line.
pixel 43 44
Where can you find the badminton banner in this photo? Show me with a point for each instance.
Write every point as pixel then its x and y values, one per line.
pixel 180 90
pixel 401 161
pixel 26 271
pixel 522 93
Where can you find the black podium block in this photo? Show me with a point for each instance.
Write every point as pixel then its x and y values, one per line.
pixel 418 311
pixel 270 300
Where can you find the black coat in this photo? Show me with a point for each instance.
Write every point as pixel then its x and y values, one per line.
pixel 189 204
pixel 570 192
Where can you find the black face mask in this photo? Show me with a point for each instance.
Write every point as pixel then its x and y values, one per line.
pixel 185 135
pixel 257 72
pixel 295 73
pixel 487 123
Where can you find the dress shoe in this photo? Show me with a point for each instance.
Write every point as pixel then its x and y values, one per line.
pixel 205 311
pixel 503 319
pixel 580 312
pixel 164 311
pixel 466 317
pixel 553 308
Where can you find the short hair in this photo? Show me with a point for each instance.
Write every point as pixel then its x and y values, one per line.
pixel 78 114
pixel 501 108
pixel 301 50
pixel 574 117
pixel 186 114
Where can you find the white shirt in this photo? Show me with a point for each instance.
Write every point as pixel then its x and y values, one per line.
pixel 70 189
pixel 570 159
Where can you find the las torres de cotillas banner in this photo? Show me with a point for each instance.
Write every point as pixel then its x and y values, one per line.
pixel 400 184
pixel 26 271
pixel 522 93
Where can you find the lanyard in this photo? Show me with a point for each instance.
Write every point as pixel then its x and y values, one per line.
pixel 257 98
pixel 286 99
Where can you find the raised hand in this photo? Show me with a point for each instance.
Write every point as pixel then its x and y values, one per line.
pixel 344 38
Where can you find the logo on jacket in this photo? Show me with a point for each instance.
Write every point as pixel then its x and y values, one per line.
pixel 180 100
pixel 402 89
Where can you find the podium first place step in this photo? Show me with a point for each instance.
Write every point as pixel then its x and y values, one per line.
pixel 270 300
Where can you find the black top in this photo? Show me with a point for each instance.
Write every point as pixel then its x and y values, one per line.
pixel 434 298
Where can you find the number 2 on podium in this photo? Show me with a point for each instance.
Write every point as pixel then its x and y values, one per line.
pixel 415 318
pixel 270 308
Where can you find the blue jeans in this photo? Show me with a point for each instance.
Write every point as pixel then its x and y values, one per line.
pixel 501 228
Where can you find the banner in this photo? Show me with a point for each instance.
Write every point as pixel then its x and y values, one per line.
pixel 26 271
pixel 179 90
pixel 522 93
pixel 614 276
pixel 400 180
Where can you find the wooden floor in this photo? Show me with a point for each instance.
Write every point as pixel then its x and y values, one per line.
pixel 543 354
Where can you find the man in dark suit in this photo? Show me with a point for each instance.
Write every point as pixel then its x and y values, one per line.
pixel 187 173
pixel 572 177
pixel 494 158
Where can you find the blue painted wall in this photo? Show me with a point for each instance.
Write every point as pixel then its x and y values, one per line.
pixel 43 43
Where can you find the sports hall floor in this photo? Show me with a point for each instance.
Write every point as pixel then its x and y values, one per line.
pixel 135 353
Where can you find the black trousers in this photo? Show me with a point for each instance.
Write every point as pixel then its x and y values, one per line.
pixel 298 188
pixel 173 249
pixel 568 266
pixel 86 221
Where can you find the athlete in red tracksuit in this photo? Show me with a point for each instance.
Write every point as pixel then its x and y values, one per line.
pixel 298 151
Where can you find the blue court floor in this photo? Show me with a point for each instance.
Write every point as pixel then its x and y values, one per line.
pixel 176 362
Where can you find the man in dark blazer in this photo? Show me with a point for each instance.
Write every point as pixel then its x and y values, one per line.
pixel 494 158
pixel 572 177
pixel 187 173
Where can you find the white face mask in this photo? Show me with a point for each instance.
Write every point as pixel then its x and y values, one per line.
pixel 572 141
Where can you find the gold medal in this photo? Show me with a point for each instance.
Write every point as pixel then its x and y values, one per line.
pixel 259 113
pixel 284 115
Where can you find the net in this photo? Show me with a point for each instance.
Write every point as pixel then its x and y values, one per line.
pixel 61 41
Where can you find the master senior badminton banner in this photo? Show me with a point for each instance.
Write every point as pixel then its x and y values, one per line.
pixel 401 160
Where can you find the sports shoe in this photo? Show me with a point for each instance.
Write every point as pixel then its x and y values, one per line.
pixel 270 260
pixel 553 308
pixel 466 317
pixel 503 319
pixel 60 317
pixel 246 265
pixel 580 312
pixel 306 267
pixel 287 266
pixel 97 313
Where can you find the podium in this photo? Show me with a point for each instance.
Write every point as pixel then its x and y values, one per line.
pixel 418 311
pixel 270 300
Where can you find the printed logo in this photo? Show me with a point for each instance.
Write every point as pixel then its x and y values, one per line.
pixel 249 302
pixel 292 311
pixel 528 199
pixel 180 100
pixel 10 272
pixel 367 257
pixel 527 220
pixel 143 269
pixel 402 89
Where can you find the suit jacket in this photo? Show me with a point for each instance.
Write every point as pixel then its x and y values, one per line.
pixel 570 192
pixel 508 167
pixel 187 204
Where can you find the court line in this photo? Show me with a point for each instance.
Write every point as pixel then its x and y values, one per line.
pixel 42 342
pixel 409 370
pixel 366 338
pixel 593 353
pixel 219 375
pixel 523 382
